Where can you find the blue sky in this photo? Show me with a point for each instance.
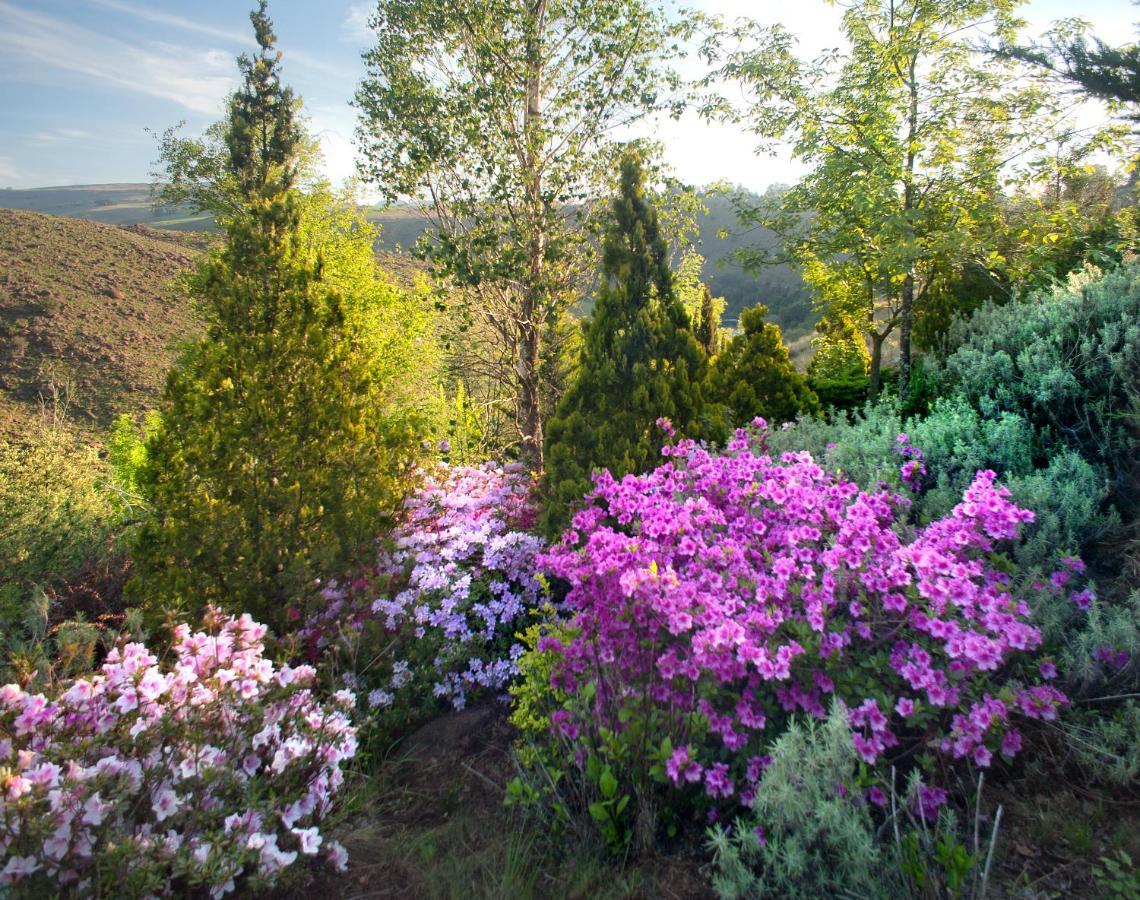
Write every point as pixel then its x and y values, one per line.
pixel 81 80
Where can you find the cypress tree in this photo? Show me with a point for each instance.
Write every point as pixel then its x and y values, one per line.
pixel 279 456
pixel 754 376
pixel 708 323
pixel 639 360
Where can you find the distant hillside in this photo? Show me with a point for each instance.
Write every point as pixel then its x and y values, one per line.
pixel 779 288
pixel 114 204
pixel 93 306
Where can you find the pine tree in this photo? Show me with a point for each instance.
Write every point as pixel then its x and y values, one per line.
pixel 707 331
pixel 754 376
pixel 280 455
pixel 639 360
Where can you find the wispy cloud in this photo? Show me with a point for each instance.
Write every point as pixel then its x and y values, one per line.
pixel 231 36
pixel 193 79
pixel 60 135
pixel 8 171
pixel 356 28
pixel 164 18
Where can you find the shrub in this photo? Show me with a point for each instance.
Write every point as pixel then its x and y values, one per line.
pixel 639 360
pixel 60 530
pixel 754 376
pixel 810 832
pixel 214 771
pixel 1067 494
pixel 1068 361
pixel 719 594
pixel 455 580
pixel 284 446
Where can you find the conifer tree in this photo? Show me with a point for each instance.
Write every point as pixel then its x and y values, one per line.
pixel 280 454
pixel 754 376
pixel 639 360
pixel 707 331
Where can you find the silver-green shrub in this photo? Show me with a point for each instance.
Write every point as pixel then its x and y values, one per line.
pixel 817 839
pixel 1068 361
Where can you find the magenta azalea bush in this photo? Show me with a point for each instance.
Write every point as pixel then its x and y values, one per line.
pixel 719 594
pixel 211 772
pixel 449 590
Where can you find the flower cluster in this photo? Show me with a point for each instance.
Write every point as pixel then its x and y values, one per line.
pixel 214 771
pixel 726 591
pixel 913 471
pixel 455 580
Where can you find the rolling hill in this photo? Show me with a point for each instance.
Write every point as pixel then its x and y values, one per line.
pixel 779 288
pixel 90 310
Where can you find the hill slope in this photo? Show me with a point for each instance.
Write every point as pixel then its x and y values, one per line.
pixel 91 308
pixel 780 288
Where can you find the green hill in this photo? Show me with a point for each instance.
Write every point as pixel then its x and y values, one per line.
pixel 90 310
pixel 779 288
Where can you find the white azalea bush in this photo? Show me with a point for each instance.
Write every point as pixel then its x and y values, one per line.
pixel 212 773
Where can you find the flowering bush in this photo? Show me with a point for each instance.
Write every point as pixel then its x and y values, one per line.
pixel 148 780
pixel 721 593
pixel 456 580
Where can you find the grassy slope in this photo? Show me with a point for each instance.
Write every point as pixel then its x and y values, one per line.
pixel 90 306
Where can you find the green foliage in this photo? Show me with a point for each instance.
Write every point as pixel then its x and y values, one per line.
pixel 283 449
pixel 1068 495
pixel 59 525
pixel 837 372
pixel 1117 877
pixel 929 851
pixel 754 376
pixel 532 696
pixel 816 842
pixel 639 361
pixel 1068 361
pixel 1107 743
pixel 55 512
pixel 126 451
pixel 504 114
pixel 906 134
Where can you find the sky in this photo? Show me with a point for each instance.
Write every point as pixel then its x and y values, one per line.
pixel 81 81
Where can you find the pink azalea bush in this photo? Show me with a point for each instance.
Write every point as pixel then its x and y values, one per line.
pixel 212 771
pixel 449 590
pixel 719 594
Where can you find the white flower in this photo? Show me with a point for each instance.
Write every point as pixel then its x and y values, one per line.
pixel 310 839
pixel 166 803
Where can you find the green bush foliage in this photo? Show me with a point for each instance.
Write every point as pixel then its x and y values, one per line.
pixel 60 527
pixel 284 447
pixel 1068 362
pixel 754 376
pixel 1067 493
pixel 639 360
pixel 806 836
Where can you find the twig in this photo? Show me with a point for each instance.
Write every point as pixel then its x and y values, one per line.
pixel 990 854
pixel 481 776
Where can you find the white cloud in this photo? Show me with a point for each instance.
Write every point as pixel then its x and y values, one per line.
pixel 235 37
pixel 60 135
pixel 192 79
pixel 162 18
pixel 9 174
pixel 356 28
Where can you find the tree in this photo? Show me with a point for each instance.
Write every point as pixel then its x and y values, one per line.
pixel 639 361
pixel 907 134
pixel 282 451
pixel 703 309
pixel 754 376
pixel 1106 72
pixel 499 118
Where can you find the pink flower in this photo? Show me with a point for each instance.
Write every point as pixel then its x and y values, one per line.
pixel 310 839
